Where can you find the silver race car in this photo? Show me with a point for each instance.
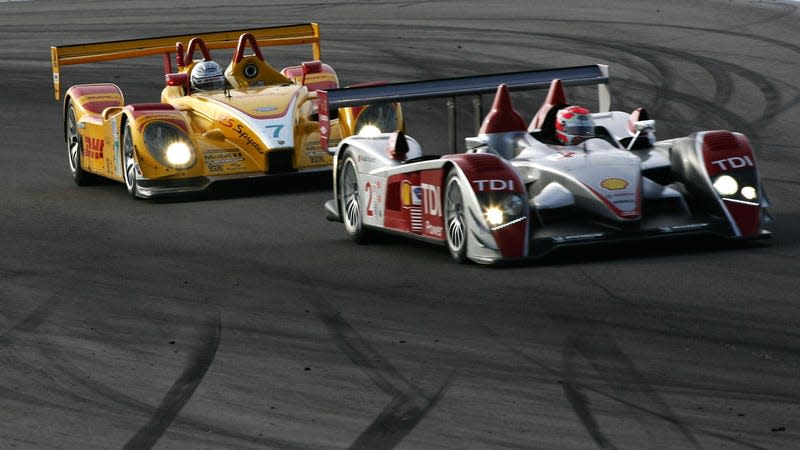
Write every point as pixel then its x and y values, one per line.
pixel 520 190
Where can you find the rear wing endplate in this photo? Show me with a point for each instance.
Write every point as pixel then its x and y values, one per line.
pixel 65 55
pixel 451 88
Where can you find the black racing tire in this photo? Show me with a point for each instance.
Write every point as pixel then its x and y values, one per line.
pixel 350 201
pixel 456 225
pixel 75 149
pixel 129 162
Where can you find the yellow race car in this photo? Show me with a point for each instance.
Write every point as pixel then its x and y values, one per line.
pixel 248 120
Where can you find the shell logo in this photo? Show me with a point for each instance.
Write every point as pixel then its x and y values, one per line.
pixel 614 184
pixel 405 193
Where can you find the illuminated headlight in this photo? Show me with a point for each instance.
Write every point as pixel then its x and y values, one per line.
pixel 510 209
pixel 369 131
pixel 726 186
pixel 169 145
pixel 749 193
pixel 494 216
pixel 179 154
pixel 382 116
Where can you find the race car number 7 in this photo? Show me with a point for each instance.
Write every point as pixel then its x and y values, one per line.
pixel 276 134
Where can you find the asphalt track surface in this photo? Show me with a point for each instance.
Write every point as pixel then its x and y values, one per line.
pixel 242 319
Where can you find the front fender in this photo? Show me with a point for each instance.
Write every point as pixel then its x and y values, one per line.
pixel 487 178
pixel 707 162
pixel 153 166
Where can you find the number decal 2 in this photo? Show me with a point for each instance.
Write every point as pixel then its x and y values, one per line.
pixel 368 189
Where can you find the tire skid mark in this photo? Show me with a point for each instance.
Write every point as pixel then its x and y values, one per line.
pixel 575 393
pixel 409 403
pixel 717 69
pixel 109 398
pixel 60 364
pixel 182 390
pixel 616 368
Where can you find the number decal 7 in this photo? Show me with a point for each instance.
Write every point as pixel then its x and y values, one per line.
pixel 276 134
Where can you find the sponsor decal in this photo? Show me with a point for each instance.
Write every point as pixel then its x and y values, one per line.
pixel 416 195
pixel 431 199
pixel 115 146
pixel 433 230
pixel 239 129
pixel 410 195
pixel 578 237
pixel 614 184
pixel 366 158
pixel 373 198
pixel 93 147
pixel 405 193
pixel 689 227
pixel 223 157
pixel 734 162
pixel 315 155
pixel 493 185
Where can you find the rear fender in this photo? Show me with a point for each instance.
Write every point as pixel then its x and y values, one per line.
pixel 93 98
pixel 90 101
pixel 490 178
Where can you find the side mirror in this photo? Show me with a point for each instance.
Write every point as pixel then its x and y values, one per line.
pixel 645 125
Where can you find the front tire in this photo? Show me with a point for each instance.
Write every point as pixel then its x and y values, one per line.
pixel 455 219
pixel 350 201
pixel 75 149
pixel 129 159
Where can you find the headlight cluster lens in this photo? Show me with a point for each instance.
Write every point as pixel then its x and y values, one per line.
pixel 369 131
pixel 749 192
pixel 382 116
pixel 510 207
pixel 728 186
pixel 169 145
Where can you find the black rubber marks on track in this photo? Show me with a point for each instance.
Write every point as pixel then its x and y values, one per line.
pixel 409 404
pixel 181 391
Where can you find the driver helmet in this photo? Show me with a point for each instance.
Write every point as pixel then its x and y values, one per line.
pixel 207 75
pixel 574 124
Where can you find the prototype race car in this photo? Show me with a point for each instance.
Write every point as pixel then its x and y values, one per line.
pixel 249 121
pixel 519 192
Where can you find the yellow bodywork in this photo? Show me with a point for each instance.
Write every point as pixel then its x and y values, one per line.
pixel 245 130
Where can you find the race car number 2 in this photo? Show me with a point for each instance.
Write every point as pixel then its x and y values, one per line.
pixel 373 193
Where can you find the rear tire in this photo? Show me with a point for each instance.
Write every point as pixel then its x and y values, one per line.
pixel 455 219
pixel 75 149
pixel 350 201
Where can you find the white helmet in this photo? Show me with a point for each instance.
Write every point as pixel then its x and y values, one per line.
pixel 207 75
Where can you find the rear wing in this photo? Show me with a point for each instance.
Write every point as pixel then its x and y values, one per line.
pixel 66 55
pixel 451 88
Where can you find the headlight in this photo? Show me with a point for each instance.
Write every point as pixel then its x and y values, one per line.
pixel 726 186
pixel 512 205
pixel 179 154
pixel 749 192
pixel 369 131
pixel 494 216
pixel 505 211
pixel 169 145
pixel 382 116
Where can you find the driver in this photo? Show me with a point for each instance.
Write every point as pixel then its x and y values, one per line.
pixel 574 124
pixel 207 76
